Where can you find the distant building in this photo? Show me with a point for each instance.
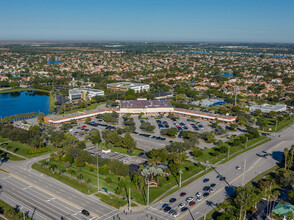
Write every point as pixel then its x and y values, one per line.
pixel 125 86
pixel 84 93
pixel 145 106
pixel 209 102
pixel 266 108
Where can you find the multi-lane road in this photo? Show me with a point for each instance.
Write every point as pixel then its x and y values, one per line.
pixel 46 198
pixel 254 166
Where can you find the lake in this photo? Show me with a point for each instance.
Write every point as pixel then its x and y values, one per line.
pixel 23 102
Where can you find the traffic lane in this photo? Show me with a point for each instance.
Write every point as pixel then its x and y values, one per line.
pixel 41 202
pixel 58 188
pixel 229 169
pixel 24 208
pixel 260 166
pixel 219 196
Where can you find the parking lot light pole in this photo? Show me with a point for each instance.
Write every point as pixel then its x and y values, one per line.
pixel 148 193
pixel 97 169
pixel 180 178
pixel 229 152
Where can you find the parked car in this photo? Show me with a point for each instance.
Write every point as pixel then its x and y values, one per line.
pixel 189 199
pixel 183 194
pixel 192 203
pixel 181 205
pixel 172 200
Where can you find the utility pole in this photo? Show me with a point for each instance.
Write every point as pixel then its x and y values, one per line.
pixel 246 141
pixel 229 151
pixel 148 193
pixel 180 178
pixel 244 172
pixel 204 216
pixel 276 125
pixel 97 169
pixel 130 199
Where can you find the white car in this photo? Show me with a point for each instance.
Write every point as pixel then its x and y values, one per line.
pixel 211 190
pixel 190 199
pixel 176 214
pixel 198 194
pixel 199 198
pixel 238 167
pixel 181 205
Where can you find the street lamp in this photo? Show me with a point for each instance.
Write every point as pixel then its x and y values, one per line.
pixel 180 178
pixel 97 169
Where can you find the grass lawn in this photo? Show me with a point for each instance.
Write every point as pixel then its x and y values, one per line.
pixel 89 172
pixel 88 108
pixel 23 149
pixel 271 126
pixel 67 180
pixel 3 139
pixel 22 89
pixel 51 100
pixel 112 200
pixel 10 212
pixel 207 155
pixel 15 158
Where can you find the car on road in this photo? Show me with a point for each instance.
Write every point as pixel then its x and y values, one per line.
pixel 85 212
pixel 192 203
pixel 181 205
pixel 206 188
pixel 212 185
pixel 172 200
pixel 183 194
pixel 184 209
pixel 198 194
pixel 205 194
pixel 222 178
pixel 166 209
pixel 238 167
pixel 189 199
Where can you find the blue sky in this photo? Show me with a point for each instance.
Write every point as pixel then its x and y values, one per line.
pixel 143 20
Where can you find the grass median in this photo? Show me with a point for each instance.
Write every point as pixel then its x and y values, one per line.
pixel 26 150
pixel 112 200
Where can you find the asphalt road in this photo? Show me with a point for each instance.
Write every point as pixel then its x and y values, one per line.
pixel 46 197
pixel 254 166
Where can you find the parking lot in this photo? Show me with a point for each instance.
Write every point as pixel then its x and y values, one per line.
pixel 154 140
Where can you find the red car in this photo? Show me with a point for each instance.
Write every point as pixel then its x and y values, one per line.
pixel 192 203
pixel 84 126
pixel 183 194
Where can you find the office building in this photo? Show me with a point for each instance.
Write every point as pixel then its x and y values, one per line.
pixel 125 86
pixel 84 93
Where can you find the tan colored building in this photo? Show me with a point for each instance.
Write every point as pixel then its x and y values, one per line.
pixel 125 86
